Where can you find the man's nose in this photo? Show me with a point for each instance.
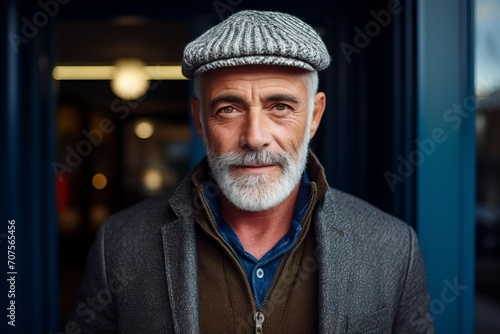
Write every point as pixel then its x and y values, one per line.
pixel 255 134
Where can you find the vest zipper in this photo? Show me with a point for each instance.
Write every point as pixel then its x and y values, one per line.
pixel 259 319
pixel 258 315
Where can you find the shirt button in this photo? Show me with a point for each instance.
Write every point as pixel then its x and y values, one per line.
pixel 260 273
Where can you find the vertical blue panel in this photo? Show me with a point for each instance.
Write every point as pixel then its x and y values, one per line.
pixel 27 189
pixel 445 181
pixel 11 152
pixel 468 171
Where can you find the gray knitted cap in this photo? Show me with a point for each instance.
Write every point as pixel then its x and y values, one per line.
pixel 253 37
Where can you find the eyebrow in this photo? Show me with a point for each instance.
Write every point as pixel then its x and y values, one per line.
pixel 225 98
pixel 238 99
pixel 282 97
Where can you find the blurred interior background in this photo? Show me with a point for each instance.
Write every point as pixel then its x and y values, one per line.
pixel 487 86
pixel 107 74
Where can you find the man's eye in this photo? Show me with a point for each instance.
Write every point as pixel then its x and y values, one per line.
pixel 281 106
pixel 226 110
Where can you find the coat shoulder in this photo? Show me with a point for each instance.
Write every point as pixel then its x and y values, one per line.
pixel 141 219
pixel 365 222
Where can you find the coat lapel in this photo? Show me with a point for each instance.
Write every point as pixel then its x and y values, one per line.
pixel 179 242
pixel 334 249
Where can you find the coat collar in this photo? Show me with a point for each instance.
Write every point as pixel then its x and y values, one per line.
pixel 179 247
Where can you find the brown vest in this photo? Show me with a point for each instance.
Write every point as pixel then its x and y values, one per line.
pixel 226 303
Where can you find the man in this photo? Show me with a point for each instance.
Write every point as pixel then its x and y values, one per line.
pixel 254 240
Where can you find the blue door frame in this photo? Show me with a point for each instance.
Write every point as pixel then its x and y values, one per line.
pixel 445 202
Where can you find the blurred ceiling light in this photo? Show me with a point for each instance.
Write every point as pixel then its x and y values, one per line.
pixel 99 181
pixel 83 72
pixel 170 72
pixel 144 129
pixel 130 80
pixel 153 179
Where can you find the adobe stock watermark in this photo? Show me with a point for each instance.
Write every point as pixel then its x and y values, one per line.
pixel 453 117
pixel 225 8
pixel 372 29
pixel 88 309
pixel 449 294
pixel 94 137
pixel 30 28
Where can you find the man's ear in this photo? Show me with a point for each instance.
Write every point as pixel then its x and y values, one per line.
pixel 319 108
pixel 195 112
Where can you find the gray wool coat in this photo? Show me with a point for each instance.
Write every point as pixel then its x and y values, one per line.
pixel 141 274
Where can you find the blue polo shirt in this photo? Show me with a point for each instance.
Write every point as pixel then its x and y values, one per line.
pixel 260 273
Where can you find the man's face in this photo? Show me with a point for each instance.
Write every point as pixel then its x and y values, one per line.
pixel 256 124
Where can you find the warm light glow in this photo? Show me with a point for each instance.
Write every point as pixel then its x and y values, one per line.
pixel 153 179
pixel 172 72
pixel 99 181
pixel 83 72
pixel 130 80
pixel 97 214
pixel 144 129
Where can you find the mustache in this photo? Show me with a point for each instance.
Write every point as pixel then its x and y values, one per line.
pixel 261 157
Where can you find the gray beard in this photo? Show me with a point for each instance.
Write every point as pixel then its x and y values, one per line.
pixel 250 192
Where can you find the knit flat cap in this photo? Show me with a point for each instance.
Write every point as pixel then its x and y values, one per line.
pixel 253 37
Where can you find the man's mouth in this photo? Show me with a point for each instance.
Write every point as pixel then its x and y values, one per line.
pixel 256 168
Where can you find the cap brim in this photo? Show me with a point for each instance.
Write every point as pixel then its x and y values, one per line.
pixel 251 60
